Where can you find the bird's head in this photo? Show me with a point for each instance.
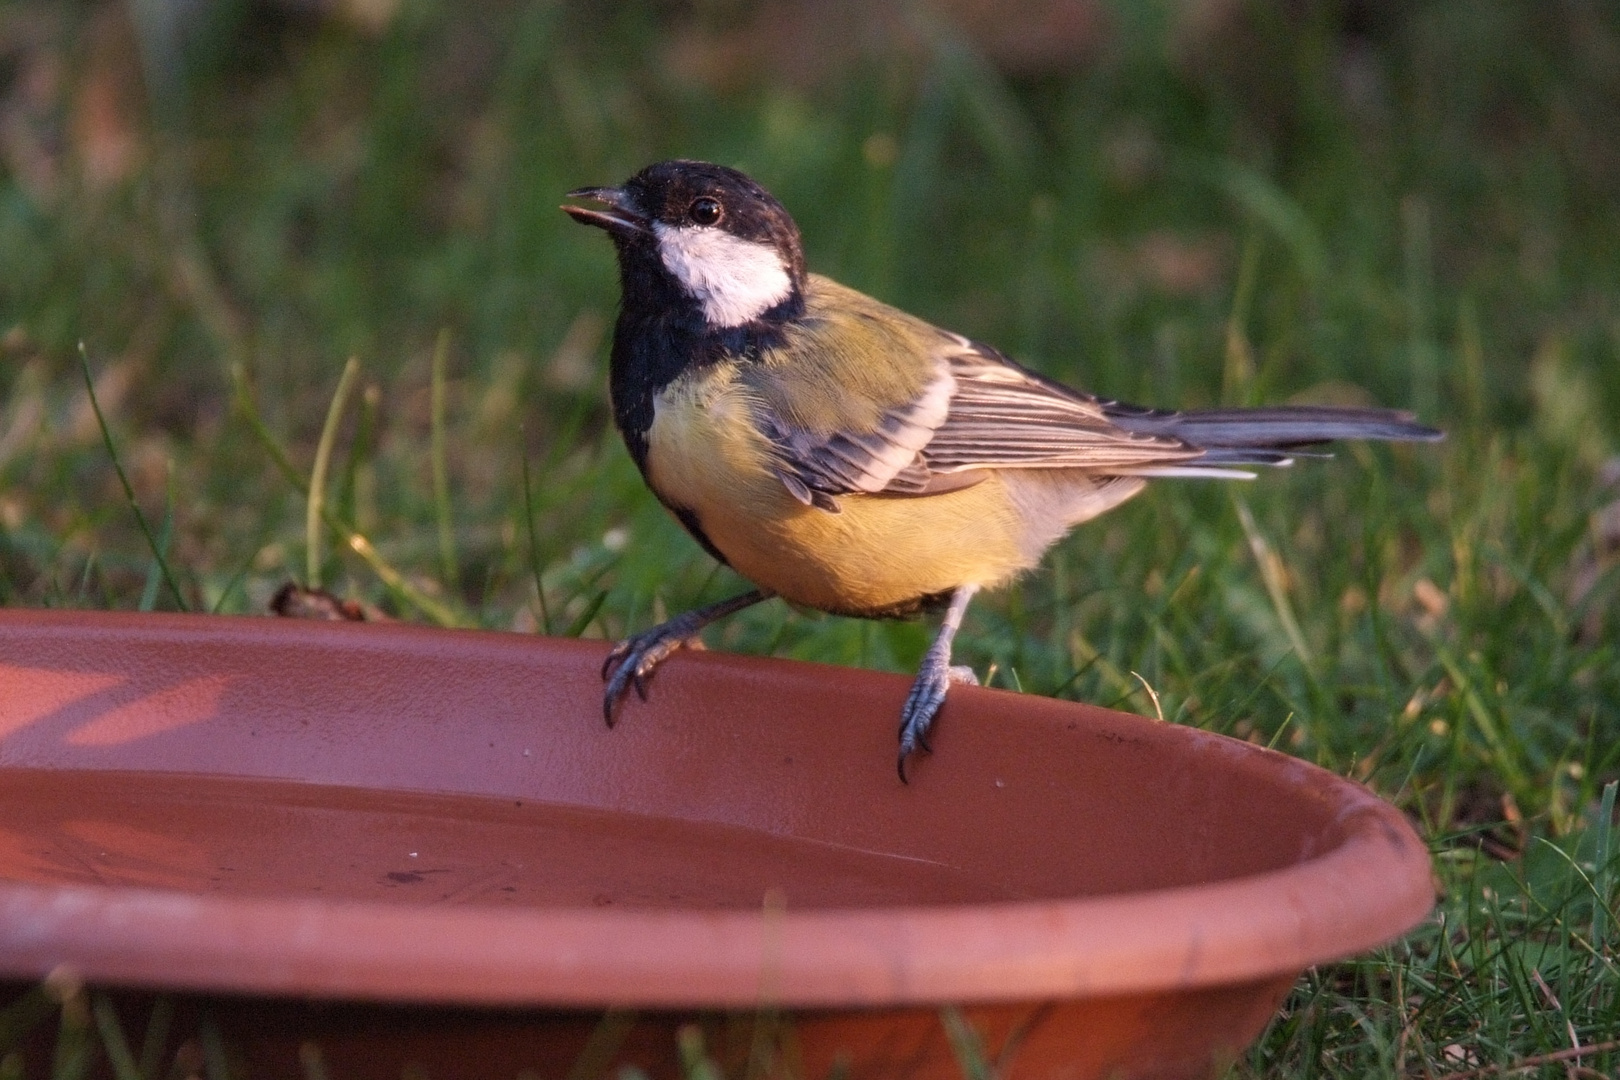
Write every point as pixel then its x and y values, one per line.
pixel 718 238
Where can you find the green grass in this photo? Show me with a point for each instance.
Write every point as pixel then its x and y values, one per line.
pixel 1413 206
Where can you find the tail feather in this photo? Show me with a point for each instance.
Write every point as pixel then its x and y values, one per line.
pixel 1274 428
pixel 1190 472
pixel 1244 455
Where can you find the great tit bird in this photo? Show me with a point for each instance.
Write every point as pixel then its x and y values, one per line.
pixel 848 457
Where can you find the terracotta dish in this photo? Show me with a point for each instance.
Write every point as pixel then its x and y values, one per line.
pixel 401 816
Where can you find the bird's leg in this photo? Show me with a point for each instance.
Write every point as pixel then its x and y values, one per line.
pixel 634 658
pixel 933 680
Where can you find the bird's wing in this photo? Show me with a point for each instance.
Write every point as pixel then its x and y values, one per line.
pixel 874 401
pixel 1003 416
pixel 867 459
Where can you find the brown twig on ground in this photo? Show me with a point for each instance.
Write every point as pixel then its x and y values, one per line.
pixel 293 601
pixel 1574 1053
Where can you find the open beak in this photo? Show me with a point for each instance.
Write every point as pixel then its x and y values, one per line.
pixel 619 217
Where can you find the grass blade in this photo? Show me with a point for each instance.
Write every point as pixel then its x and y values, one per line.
pixel 577 627
pixel 393 579
pixel 695 1061
pixel 604 1042
pixel 1275 577
pixel 1603 875
pixel 216 1059
pixel 1267 203
pixel 534 545
pixel 76 1046
pixel 971 1057
pixel 390 577
pixel 113 1041
pixel 441 465
pixel 1237 378
pixel 129 492
pixel 315 503
pixel 157 1036
pixel 149 593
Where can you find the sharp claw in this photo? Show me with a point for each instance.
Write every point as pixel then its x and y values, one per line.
pixel 614 655
pixel 922 705
pixel 610 698
pixel 630 663
pixel 634 659
pixel 621 666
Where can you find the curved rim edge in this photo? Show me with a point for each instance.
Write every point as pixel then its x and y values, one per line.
pixel 1267 925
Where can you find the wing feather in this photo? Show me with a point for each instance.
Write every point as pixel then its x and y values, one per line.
pixel 865 399
pixel 979 411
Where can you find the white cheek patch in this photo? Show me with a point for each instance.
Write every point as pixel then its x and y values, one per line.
pixel 735 280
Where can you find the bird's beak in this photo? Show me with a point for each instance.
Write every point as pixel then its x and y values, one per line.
pixel 620 217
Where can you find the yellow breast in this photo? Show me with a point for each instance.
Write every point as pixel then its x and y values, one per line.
pixel 705 456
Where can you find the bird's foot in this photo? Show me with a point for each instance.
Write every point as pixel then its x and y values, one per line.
pixel 934 679
pixel 633 660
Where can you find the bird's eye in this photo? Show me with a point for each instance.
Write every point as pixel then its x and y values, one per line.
pixel 704 211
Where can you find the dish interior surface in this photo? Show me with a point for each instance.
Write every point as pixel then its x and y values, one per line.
pixel 253 757
pixel 274 838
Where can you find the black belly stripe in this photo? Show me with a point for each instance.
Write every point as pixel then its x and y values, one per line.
pixel 661 335
pixel 690 520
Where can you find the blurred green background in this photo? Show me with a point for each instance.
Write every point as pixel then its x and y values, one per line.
pixel 1175 202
